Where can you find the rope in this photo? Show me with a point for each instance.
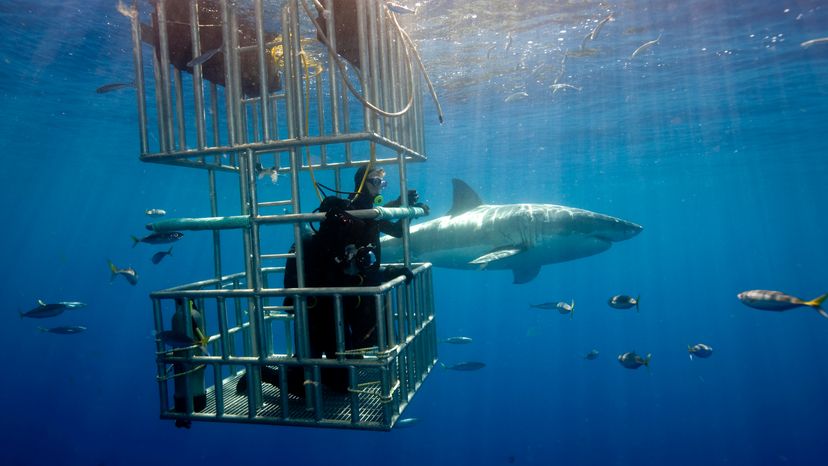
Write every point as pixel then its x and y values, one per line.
pixel 383 399
pixel 340 64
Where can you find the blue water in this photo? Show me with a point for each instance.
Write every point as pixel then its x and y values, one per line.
pixel 713 140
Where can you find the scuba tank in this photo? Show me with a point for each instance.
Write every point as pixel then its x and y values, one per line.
pixel 188 321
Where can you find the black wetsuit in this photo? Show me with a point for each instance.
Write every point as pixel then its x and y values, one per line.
pixel 344 252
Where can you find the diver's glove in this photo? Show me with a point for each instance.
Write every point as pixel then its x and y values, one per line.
pixel 413 197
pixel 423 206
pixel 393 272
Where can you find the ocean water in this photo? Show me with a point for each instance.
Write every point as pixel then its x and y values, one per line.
pixel 713 140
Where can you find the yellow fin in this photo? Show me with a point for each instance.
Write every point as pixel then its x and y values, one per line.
pixel 816 302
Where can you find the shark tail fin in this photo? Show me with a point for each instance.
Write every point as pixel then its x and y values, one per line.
pixel 647 359
pixel 637 299
pixel 135 241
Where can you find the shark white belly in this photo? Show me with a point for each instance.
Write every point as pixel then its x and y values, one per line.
pixel 520 237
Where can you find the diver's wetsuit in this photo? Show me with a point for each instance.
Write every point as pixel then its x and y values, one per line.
pixel 344 252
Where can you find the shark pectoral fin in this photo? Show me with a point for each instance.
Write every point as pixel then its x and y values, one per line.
pixel 525 274
pixel 497 254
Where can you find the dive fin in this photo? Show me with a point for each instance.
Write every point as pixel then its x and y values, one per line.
pixel 465 199
pixel 525 274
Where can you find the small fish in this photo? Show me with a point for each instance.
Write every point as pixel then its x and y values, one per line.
pixel 72 304
pixel 624 302
pixel 592 355
pixel 566 308
pixel 464 366
pixel 272 172
pixel 645 46
pixel 562 86
pixel 699 350
pixel 406 422
pixel 777 301
pixel 158 256
pixel 808 43
pixel 400 9
pixel 44 310
pixel 633 361
pixel 128 273
pixel 63 330
pixel 516 96
pixel 203 58
pixel 158 238
pixel 592 35
pixel 156 212
pixel 457 340
pixel 114 87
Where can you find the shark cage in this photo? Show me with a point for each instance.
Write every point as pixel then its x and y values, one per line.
pixel 272 96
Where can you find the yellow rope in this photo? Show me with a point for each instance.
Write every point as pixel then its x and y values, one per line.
pixel 308 62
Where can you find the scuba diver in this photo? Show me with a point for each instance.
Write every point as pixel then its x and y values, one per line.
pixel 343 252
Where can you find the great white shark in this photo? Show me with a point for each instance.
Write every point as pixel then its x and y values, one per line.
pixel 520 237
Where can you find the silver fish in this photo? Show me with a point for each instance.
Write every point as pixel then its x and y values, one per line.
pixel 73 304
pixel 271 172
pixel 69 330
pixel 465 366
pixel 128 273
pixel 592 355
pixel 406 422
pixel 516 96
pixel 158 238
pixel 458 340
pixel 808 43
pixel 563 86
pixel 203 58
pixel 624 302
pixel 633 361
pixel 44 310
pixel 114 87
pixel 699 350
pixel 767 300
pixel 566 308
pixel 645 46
pixel 156 212
pixel 400 9
pixel 160 255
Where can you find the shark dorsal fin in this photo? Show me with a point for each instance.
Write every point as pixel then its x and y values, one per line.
pixel 465 199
